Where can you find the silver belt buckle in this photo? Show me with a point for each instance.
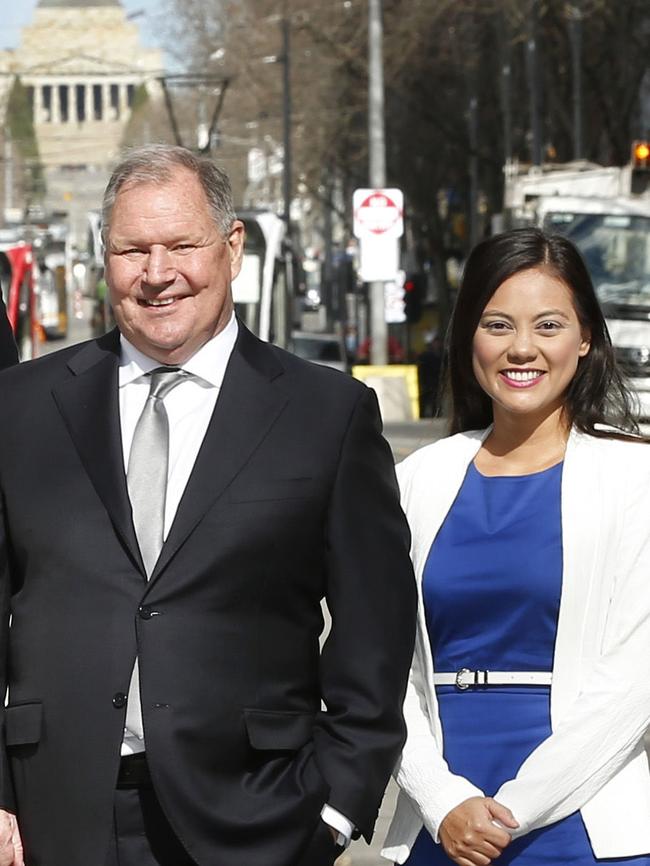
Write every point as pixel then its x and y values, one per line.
pixel 466 678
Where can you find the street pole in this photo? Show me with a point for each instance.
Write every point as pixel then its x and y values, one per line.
pixel 532 65
pixel 328 294
pixel 286 114
pixel 472 117
pixel 377 165
pixel 286 166
pixel 506 87
pixel 574 12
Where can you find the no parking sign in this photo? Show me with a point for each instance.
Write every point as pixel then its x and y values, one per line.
pixel 378 223
pixel 378 212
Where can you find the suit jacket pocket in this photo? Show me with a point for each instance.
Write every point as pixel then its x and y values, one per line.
pixel 23 724
pixel 278 729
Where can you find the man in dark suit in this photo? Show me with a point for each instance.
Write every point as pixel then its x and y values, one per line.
pixel 177 499
pixel 8 350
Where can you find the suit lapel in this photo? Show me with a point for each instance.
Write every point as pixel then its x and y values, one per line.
pixel 89 405
pixel 249 403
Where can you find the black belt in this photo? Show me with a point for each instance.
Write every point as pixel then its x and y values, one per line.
pixel 134 772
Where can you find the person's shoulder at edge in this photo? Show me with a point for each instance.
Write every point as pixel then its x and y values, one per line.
pixel 38 372
pixel 301 367
pixel 334 390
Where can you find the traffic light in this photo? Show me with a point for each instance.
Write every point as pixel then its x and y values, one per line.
pixel 640 167
pixel 414 293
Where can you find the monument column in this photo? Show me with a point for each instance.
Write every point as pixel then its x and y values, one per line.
pixel 88 106
pixel 56 106
pixel 107 111
pixel 38 102
pixel 123 100
pixel 73 98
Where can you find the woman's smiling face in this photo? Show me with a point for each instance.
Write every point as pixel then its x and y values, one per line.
pixel 528 343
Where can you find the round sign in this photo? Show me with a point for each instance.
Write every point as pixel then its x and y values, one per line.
pixel 377 213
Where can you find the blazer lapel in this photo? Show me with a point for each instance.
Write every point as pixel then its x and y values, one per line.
pixel 249 403
pixel 89 405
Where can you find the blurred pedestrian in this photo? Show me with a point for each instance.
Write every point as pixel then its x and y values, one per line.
pixel 429 363
pixel 530 688
pixel 8 350
pixel 178 499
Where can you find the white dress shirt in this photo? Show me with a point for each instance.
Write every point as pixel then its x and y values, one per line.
pixel 189 407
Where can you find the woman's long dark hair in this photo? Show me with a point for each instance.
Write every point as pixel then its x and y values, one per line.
pixel 598 394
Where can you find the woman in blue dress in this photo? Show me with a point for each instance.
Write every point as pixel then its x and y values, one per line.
pixel 530 686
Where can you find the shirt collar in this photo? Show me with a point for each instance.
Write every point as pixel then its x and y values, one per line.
pixel 209 363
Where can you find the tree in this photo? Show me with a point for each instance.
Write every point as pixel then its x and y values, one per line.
pixel 20 131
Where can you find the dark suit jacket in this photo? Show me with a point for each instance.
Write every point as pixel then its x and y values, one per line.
pixel 8 350
pixel 292 498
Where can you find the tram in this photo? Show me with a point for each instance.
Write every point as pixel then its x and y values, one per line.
pixel 264 289
pixel 18 286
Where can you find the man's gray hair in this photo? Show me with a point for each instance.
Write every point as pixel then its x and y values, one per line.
pixel 156 163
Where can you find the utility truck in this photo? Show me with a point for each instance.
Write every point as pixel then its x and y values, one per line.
pixel 605 211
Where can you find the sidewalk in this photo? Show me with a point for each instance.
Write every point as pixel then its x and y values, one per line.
pixel 361 854
pixel 407 436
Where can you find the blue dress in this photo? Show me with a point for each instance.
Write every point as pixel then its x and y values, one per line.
pixel 491 588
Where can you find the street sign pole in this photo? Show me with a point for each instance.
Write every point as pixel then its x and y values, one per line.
pixel 377 157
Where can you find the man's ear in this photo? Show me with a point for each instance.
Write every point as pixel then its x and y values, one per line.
pixel 236 238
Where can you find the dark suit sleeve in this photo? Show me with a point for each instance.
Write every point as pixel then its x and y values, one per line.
pixel 8 350
pixel 371 597
pixel 7 800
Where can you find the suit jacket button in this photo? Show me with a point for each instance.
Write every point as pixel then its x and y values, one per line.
pixel 145 612
pixel 119 700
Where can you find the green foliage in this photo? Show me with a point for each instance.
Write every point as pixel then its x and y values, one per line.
pixel 140 98
pixel 20 127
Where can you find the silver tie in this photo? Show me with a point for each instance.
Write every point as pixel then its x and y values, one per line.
pixel 146 479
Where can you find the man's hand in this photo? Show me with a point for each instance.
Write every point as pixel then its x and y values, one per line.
pixel 469 835
pixel 11 846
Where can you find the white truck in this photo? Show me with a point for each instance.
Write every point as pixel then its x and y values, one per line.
pixel 596 208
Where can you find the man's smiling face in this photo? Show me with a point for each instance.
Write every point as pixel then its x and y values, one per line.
pixel 169 268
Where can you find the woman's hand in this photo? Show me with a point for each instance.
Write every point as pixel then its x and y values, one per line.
pixel 11 846
pixel 469 835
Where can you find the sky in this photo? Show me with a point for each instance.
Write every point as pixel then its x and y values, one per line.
pixel 19 13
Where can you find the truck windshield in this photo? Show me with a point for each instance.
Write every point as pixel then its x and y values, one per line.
pixel 616 249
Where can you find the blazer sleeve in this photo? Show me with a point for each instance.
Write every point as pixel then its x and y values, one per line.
pixel 370 593
pixel 422 772
pixel 8 350
pixel 605 725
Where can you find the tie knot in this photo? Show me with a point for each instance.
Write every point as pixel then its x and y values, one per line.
pixel 164 380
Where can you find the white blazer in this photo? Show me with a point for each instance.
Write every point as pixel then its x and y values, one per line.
pixel 594 760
